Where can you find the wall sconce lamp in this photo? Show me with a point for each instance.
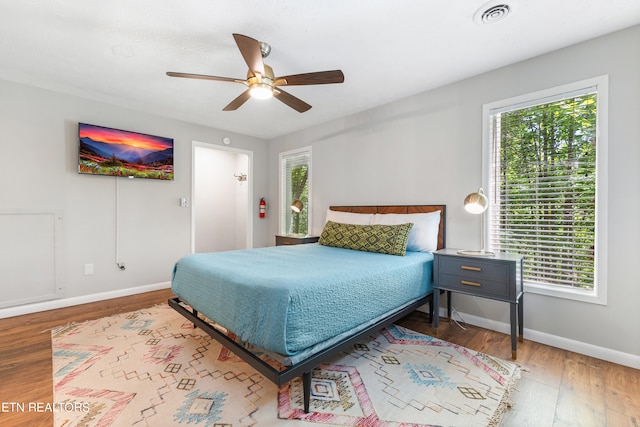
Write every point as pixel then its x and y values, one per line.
pixel 477 203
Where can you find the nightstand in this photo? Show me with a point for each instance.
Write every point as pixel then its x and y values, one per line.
pixel 499 277
pixel 295 240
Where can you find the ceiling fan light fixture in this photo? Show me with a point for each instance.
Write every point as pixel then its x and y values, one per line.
pixel 261 82
pixel 261 91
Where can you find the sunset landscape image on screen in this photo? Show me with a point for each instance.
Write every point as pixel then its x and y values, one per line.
pixel 106 151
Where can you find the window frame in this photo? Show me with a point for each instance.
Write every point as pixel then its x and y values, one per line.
pixel 597 295
pixel 284 205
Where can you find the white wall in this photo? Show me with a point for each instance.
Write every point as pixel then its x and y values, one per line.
pixel 427 149
pixel 38 171
pixel 241 207
pixel 220 200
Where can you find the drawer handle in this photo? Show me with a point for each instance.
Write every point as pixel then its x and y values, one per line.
pixel 467 282
pixel 466 267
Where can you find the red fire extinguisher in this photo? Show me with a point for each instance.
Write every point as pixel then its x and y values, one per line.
pixel 263 208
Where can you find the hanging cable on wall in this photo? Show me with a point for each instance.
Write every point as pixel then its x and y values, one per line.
pixel 119 263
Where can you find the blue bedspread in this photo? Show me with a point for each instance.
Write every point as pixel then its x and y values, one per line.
pixel 287 298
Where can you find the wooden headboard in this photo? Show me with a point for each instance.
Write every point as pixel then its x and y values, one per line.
pixel 402 209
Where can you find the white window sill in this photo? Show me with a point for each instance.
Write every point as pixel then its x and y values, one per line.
pixel 583 295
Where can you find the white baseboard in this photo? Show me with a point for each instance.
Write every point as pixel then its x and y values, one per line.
pixel 67 302
pixel 603 353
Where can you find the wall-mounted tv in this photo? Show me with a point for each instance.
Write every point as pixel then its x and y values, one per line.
pixel 114 152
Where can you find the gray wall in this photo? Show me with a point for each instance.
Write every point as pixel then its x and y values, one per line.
pixel 38 171
pixel 427 149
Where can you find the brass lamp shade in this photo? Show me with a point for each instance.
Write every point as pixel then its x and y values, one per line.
pixel 297 206
pixel 476 203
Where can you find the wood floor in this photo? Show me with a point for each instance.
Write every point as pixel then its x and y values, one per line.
pixel 559 388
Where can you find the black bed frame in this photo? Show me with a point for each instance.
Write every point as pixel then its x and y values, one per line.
pixel 304 368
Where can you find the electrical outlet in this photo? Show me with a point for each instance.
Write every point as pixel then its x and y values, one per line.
pixel 88 269
pixel 184 202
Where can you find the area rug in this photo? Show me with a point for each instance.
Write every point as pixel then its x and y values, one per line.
pixel 152 368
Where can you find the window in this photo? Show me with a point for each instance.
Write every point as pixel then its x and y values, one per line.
pixel 545 172
pixel 295 184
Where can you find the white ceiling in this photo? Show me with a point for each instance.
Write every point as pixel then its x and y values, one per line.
pixel 118 51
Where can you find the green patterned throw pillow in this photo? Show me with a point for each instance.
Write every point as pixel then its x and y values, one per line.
pixel 383 239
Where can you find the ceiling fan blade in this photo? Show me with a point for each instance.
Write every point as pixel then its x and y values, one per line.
pixel 237 103
pixel 204 77
pixel 318 78
pixel 250 50
pixel 296 103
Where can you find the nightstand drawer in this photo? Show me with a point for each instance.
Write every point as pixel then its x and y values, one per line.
pixel 474 270
pixel 478 284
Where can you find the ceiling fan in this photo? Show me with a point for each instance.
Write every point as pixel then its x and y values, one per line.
pixel 261 81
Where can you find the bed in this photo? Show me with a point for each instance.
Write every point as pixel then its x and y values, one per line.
pixel 287 309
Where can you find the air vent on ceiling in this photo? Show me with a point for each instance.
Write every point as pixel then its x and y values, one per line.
pixel 491 12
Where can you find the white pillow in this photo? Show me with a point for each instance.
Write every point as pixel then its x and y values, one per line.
pixel 349 217
pixel 424 233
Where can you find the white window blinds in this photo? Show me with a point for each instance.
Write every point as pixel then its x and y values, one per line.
pixel 543 186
